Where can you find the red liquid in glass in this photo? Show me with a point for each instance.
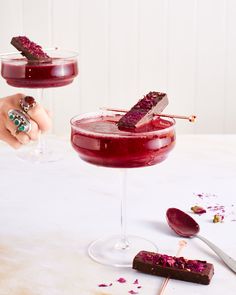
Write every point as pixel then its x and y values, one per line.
pixel 19 73
pixel 99 141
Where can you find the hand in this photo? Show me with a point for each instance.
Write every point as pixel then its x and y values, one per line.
pixel 39 119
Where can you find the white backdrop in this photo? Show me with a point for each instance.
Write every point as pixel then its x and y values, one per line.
pixel 126 48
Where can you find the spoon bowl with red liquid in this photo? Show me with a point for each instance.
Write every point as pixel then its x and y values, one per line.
pixel 185 226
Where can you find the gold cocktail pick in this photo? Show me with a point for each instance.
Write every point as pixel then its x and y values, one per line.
pixel 191 118
pixel 17 52
pixel 182 244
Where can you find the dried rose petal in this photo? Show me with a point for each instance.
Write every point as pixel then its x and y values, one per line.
pixel 136 282
pixel 198 210
pixel 121 280
pixel 104 285
pixel 132 292
pixel 200 195
pixel 205 195
pixel 217 208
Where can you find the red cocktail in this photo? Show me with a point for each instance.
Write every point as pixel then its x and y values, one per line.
pixel 98 141
pixel 19 72
pixel 59 70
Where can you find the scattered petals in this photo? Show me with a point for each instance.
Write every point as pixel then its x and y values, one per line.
pixel 213 206
pixel 121 280
pixel 206 195
pixel 216 208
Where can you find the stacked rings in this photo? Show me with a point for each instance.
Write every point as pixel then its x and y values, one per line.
pixel 20 119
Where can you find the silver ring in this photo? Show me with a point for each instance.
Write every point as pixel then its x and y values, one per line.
pixel 20 119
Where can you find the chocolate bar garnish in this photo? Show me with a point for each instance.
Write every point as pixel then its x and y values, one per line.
pixel 32 51
pixel 178 268
pixel 143 111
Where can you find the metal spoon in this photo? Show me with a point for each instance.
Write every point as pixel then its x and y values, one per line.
pixel 186 226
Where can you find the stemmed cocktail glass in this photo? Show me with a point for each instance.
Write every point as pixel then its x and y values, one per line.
pixel 97 140
pixel 19 72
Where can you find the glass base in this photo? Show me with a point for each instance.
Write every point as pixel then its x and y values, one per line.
pixel 35 155
pixel 114 251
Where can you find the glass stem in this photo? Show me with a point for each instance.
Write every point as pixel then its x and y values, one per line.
pixel 124 241
pixel 41 146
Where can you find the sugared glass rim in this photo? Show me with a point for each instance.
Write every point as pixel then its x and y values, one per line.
pixel 124 134
pixel 69 54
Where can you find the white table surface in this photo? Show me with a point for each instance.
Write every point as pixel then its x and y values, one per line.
pixel 49 213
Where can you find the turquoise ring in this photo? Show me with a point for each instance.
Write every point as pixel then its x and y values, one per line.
pixel 20 120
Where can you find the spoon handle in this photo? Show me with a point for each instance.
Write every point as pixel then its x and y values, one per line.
pixel 229 261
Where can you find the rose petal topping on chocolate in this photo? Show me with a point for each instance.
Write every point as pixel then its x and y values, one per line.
pixel 143 111
pixel 32 51
pixel 180 268
pixel 172 261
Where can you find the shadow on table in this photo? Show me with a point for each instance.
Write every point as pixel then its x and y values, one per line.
pixel 158 226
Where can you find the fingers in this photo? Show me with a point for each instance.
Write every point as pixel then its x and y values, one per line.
pixel 38 113
pixel 14 99
pixel 23 137
pixel 10 139
pixel 34 132
pixel 40 120
pixel 41 117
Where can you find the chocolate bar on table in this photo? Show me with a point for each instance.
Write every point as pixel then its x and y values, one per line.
pixel 179 268
pixel 143 111
pixel 32 51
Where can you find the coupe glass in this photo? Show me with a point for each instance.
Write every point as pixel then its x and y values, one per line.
pixel 97 140
pixel 19 72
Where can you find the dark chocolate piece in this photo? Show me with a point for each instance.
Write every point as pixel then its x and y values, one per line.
pixel 142 112
pixel 178 268
pixel 32 51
